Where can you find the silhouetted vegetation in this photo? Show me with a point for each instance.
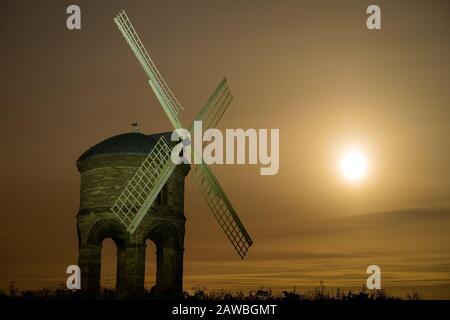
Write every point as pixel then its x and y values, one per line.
pixel 319 293
pixel 198 293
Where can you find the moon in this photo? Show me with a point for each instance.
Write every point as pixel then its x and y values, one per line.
pixel 353 166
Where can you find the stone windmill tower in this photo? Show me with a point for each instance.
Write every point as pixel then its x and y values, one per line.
pixel 131 191
pixel 104 169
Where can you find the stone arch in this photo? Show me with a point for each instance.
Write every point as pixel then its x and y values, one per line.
pixel 163 234
pixel 169 258
pixel 108 228
pixel 90 250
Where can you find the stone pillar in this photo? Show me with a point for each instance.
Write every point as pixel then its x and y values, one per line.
pixel 130 269
pixel 169 270
pixel 89 261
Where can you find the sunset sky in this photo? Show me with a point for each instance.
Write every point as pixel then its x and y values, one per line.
pixel 309 68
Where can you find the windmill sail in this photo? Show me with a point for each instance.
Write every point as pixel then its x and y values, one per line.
pixel 216 106
pixel 162 91
pixel 143 188
pixel 222 209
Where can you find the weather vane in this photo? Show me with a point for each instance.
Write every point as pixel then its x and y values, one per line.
pixel 135 126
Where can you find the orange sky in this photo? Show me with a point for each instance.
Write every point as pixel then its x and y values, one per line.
pixel 309 68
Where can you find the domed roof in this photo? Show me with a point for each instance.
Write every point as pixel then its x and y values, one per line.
pixel 125 143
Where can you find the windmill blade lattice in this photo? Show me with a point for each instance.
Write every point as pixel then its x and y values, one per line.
pixel 216 106
pixel 162 91
pixel 143 188
pixel 222 209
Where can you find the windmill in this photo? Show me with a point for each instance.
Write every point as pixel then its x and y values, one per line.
pixel 142 189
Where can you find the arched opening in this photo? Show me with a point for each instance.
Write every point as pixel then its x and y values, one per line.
pixel 108 272
pixel 150 265
pixel 163 245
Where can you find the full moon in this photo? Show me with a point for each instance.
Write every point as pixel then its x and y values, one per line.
pixel 353 166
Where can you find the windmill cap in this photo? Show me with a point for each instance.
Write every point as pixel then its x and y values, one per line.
pixel 125 143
